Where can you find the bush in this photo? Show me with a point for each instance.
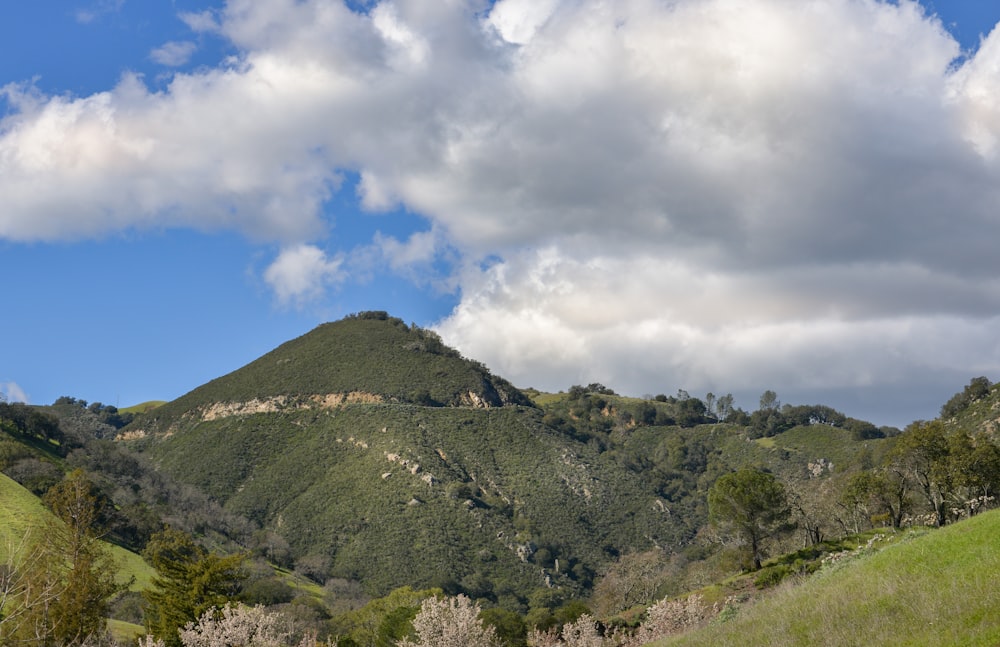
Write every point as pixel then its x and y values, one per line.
pixel 772 575
pixel 268 591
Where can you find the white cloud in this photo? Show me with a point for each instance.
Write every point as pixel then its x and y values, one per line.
pixel 712 188
pixel 516 21
pixel 95 10
pixel 12 392
pixel 200 21
pixel 174 53
pixel 301 274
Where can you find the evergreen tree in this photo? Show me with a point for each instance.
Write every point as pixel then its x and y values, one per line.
pixel 751 505
pixel 190 580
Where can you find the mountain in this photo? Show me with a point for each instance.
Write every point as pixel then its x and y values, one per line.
pixel 385 457
pixel 365 358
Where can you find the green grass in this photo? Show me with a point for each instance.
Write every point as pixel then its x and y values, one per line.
pixel 21 511
pixel 144 407
pixel 125 632
pixel 938 588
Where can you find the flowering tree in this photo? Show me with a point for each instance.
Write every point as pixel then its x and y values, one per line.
pixel 581 633
pixel 450 622
pixel 236 624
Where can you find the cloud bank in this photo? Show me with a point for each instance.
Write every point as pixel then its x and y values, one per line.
pixel 703 194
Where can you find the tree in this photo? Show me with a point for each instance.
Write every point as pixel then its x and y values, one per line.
pixel 724 406
pixel 630 581
pixel 978 388
pixel 190 580
pixel 874 495
pixel 710 401
pixel 378 621
pixel 922 454
pixel 236 625
pixel 769 401
pixel 81 611
pixel 751 505
pixel 22 591
pixel 450 622
pixel 71 562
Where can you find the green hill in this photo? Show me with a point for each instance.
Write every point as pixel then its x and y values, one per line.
pixel 369 444
pixel 372 448
pixel 936 588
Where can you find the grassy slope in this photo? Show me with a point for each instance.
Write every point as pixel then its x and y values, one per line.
pixel 144 407
pixel 936 589
pixel 20 511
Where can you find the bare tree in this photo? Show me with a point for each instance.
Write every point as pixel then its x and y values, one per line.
pixel 25 587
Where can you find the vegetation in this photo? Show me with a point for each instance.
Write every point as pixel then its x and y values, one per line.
pixel 752 506
pixel 58 584
pixel 934 589
pixel 190 581
pixel 369 353
pixel 366 485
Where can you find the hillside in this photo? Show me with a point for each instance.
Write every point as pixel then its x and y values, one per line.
pixel 339 442
pixel 379 455
pixel 933 588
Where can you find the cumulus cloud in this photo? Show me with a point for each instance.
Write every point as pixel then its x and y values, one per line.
pixel 709 192
pixel 174 53
pixel 302 273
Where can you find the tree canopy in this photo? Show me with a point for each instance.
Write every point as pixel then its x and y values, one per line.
pixel 750 505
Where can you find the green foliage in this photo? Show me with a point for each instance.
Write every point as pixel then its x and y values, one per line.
pixel 190 580
pixel 752 505
pixel 399 494
pixel 383 620
pixel 509 626
pixel 977 389
pixel 948 470
pixel 33 425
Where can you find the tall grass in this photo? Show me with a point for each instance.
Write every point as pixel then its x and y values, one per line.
pixel 937 589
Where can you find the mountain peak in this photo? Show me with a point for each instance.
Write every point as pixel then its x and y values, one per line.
pixel 366 357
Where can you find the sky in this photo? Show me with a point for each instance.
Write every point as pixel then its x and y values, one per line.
pixel 725 196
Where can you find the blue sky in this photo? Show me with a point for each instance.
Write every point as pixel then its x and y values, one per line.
pixel 712 196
